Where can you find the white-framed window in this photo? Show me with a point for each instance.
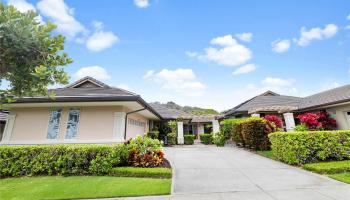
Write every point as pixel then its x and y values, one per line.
pixel 54 124
pixel 72 124
pixel 136 123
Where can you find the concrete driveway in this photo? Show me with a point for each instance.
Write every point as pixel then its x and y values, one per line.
pixel 208 172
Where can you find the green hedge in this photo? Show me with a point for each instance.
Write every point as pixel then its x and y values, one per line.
pixel 335 167
pixel 142 172
pixel 228 128
pixel 153 134
pixel 206 138
pixel 254 132
pixel 60 159
pixel 310 146
pixel 189 139
pixel 219 139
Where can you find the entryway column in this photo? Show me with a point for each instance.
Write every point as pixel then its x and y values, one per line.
pixel 289 120
pixel 180 132
pixel 216 126
pixel 200 128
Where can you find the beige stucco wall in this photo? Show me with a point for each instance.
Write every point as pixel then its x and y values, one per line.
pixel 95 124
pixel 134 130
pixel 339 113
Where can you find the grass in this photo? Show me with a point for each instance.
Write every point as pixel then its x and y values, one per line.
pixel 267 154
pixel 73 187
pixel 142 172
pixel 334 167
pixel 341 177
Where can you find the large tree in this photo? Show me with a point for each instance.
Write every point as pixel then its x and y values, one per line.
pixel 31 56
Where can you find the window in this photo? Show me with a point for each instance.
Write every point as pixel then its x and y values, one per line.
pixel 72 124
pixel 54 124
pixel 136 123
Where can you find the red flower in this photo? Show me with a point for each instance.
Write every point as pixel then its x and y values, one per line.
pixel 274 119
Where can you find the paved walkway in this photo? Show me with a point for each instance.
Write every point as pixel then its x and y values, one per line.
pixel 232 173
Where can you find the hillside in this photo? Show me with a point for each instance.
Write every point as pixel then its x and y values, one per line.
pixel 189 109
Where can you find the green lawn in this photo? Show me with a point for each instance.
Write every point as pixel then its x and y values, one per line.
pixel 57 187
pixel 329 167
pixel 342 177
pixel 142 172
pixel 267 154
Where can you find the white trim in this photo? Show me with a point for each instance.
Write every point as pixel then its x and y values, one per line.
pixel 119 125
pixel 33 142
pixel 10 122
pixel 83 81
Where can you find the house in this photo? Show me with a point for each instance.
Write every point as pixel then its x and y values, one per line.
pixel 188 123
pixel 336 102
pixel 87 111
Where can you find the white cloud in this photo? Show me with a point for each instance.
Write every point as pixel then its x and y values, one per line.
pixel 246 37
pixel 101 40
pixel 141 3
pixel 280 46
pixel 277 82
pixel 94 71
pixel 191 54
pixel 230 53
pixel 348 17
pixel 306 36
pixel 24 6
pixel 244 69
pixel 62 16
pixel 181 80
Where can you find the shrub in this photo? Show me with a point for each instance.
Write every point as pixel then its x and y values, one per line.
pixel 189 139
pixel 317 121
pixel 145 152
pixel 173 125
pixel 310 146
pixel 237 136
pixel 153 134
pixel 301 127
pixel 228 126
pixel 254 131
pixel 206 138
pixel 219 139
pixel 171 138
pixel 60 159
pixel 275 120
pixel 142 172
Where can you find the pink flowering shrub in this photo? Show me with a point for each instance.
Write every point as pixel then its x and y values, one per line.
pixel 275 120
pixel 317 121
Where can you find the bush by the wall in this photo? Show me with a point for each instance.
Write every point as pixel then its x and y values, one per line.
pixel 153 134
pixel 171 138
pixel 206 138
pixel 140 172
pixel 60 159
pixel 310 146
pixel 145 152
pixel 254 131
pixel 189 139
pixel 219 139
pixel 228 127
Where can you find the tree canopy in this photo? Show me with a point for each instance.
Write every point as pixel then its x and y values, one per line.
pixel 31 56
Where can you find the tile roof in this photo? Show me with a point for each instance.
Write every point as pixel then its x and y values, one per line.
pixel 168 113
pixel 336 95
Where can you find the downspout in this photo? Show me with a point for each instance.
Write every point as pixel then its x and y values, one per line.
pixel 126 119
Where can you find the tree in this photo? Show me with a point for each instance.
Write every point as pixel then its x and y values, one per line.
pixel 31 57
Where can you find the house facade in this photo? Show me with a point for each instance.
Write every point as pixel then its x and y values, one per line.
pixel 336 102
pixel 87 111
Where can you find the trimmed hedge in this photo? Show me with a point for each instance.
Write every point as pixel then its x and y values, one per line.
pixel 142 172
pixel 228 127
pixel 60 159
pixel 310 146
pixel 254 132
pixel 189 139
pixel 335 167
pixel 153 134
pixel 219 139
pixel 206 138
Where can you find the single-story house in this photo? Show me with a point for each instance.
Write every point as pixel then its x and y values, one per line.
pixel 336 102
pixel 86 111
pixel 188 123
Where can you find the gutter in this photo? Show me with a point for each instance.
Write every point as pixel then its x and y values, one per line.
pixel 126 119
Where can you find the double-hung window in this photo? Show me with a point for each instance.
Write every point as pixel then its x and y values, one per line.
pixel 54 124
pixel 72 124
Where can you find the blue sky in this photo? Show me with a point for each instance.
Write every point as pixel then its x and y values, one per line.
pixel 204 53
